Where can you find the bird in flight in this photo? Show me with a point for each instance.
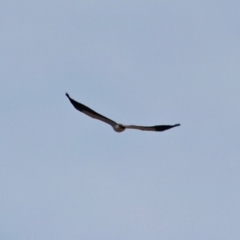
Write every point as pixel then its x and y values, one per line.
pixel 116 126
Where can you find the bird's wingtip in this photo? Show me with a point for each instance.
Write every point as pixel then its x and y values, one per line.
pixel 177 125
pixel 67 95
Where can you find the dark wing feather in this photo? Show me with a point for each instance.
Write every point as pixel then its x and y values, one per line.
pixel 158 128
pixel 88 111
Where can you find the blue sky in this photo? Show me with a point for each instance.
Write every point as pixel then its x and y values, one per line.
pixel 64 175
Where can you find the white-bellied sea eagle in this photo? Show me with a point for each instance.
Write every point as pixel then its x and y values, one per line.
pixel 116 126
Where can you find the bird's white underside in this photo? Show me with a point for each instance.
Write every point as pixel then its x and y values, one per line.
pixel 118 128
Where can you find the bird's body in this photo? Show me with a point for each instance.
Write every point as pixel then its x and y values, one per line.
pixel 117 127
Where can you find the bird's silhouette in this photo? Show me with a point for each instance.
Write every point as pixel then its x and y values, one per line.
pixel 116 126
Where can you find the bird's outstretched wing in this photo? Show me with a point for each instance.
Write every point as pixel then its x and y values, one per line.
pixel 158 128
pixel 88 111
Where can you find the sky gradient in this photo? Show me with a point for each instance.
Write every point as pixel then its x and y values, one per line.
pixel 64 175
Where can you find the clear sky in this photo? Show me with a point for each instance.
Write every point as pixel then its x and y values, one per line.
pixel 66 176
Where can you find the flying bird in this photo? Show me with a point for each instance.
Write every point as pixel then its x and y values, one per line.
pixel 116 126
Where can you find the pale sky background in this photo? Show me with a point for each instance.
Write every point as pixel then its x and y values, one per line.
pixel 66 176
